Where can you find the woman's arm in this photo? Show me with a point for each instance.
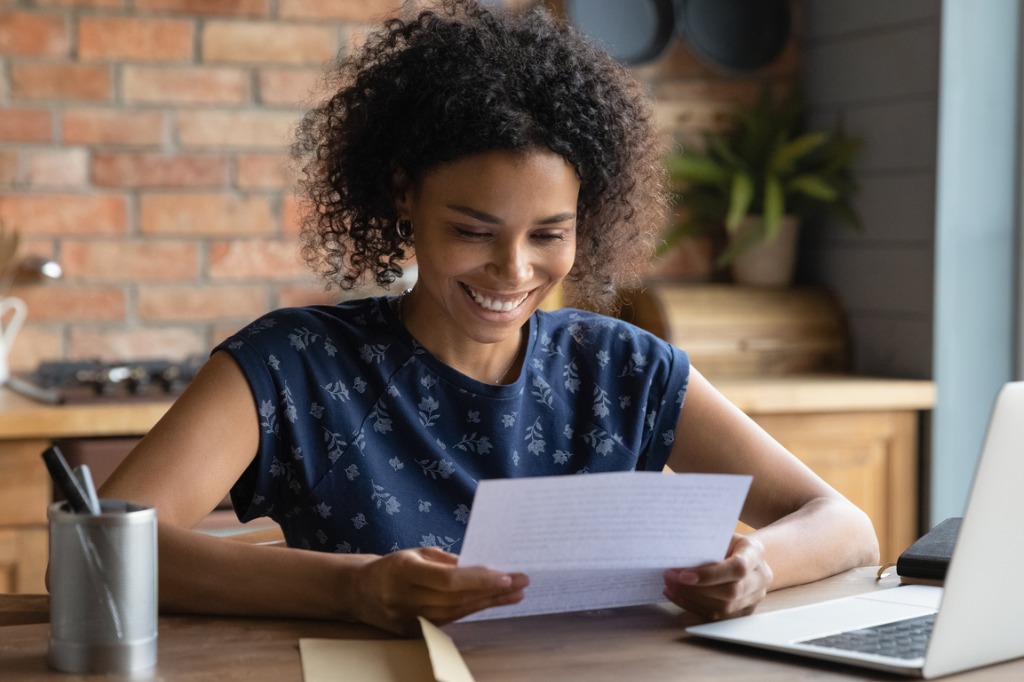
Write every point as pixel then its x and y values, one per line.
pixel 805 530
pixel 193 456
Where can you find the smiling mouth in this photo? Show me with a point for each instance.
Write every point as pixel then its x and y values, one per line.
pixel 494 304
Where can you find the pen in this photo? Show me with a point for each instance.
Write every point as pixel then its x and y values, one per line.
pixel 66 481
pixel 84 476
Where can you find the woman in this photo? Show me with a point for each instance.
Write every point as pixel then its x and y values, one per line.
pixel 509 156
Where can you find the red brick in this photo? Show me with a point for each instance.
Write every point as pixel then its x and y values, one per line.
pixel 37 80
pixel 8 167
pixel 23 33
pixel 222 330
pixel 184 85
pixel 246 129
pixel 346 10
pixel 64 213
pixel 61 302
pixel 205 214
pixel 267 42
pixel 272 260
pixel 130 38
pixel 111 126
pixel 158 170
pixel 133 261
pixel 66 167
pixel 113 345
pixel 355 38
pixel 34 344
pixel 293 208
pixel 313 293
pixel 202 303
pixel 26 125
pixel 79 3
pixel 43 246
pixel 263 171
pixel 226 8
pixel 289 87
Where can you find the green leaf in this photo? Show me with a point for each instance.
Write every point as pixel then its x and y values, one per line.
pixel 840 152
pixel 695 168
pixel 774 207
pixel 721 146
pixel 740 197
pixel 814 187
pixel 768 163
pixel 790 152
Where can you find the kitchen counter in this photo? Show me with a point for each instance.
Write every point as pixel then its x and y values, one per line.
pixel 21 417
pixel 825 393
pixel 859 434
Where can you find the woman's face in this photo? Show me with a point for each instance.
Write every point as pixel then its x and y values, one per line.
pixel 494 233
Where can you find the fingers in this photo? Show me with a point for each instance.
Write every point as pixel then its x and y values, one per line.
pixel 732 587
pixel 435 570
pixel 429 582
pixel 448 612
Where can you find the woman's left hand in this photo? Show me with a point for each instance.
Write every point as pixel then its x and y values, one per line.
pixel 723 589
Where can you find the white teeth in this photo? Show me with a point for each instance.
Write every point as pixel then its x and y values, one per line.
pixel 493 305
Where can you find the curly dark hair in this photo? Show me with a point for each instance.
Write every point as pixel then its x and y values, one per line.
pixel 461 80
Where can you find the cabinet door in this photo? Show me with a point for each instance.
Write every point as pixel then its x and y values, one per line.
pixel 23 554
pixel 870 457
pixel 25 492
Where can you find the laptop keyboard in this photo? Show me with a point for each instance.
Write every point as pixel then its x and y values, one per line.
pixel 901 639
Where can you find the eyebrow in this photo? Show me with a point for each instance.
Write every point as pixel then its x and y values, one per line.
pixel 494 220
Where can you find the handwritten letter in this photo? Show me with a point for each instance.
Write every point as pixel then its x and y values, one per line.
pixel 599 540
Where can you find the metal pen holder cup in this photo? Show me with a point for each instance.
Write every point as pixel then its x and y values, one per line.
pixel 103 588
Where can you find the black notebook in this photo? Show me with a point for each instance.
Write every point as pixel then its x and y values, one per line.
pixel 927 559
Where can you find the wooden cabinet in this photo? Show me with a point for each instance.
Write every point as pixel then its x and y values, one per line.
pixel 24 493
pixel 860 435
pixel 782 356
pixel 26 429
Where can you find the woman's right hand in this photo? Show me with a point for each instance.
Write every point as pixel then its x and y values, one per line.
pixel 391 591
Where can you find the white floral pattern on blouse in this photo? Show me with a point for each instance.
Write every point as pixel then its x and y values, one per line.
pixel 369 443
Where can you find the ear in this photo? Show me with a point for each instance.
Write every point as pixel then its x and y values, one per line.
pixel 402 187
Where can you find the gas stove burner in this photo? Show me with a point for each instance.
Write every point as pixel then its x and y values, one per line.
pixel 96 380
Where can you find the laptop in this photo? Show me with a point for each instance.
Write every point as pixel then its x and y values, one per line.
pixel 975 619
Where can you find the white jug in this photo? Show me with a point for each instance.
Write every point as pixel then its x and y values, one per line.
pixel 12 314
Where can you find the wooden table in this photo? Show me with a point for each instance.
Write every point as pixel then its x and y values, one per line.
pixel 645 643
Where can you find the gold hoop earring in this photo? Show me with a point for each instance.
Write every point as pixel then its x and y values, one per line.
pixel 404 230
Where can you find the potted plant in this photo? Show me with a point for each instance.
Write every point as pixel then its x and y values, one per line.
pixel 759 179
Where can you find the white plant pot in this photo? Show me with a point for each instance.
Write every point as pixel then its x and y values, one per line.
pixel 768 263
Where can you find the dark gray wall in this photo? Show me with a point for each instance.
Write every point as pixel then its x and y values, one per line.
pixel 931 286
pixel 875 63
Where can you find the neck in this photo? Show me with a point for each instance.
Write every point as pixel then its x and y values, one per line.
pixel 476 363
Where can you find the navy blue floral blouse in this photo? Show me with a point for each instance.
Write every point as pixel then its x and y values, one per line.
pixel 368 443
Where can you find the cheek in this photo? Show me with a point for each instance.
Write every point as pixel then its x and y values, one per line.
pixel 566 263
pixel 566 259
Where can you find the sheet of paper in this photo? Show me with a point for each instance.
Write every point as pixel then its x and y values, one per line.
pixel 431 659
pixel 599 540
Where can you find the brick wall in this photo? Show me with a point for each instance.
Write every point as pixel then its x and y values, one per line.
pixel 143 145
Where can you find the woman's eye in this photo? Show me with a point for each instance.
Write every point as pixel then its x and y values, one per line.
pixel 471 234
pixel 549 236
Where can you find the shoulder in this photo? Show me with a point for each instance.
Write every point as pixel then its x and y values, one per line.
pixel 300 327
pixel 582 329
pixel 350 334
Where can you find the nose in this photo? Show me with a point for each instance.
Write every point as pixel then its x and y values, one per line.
pixel 510 263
